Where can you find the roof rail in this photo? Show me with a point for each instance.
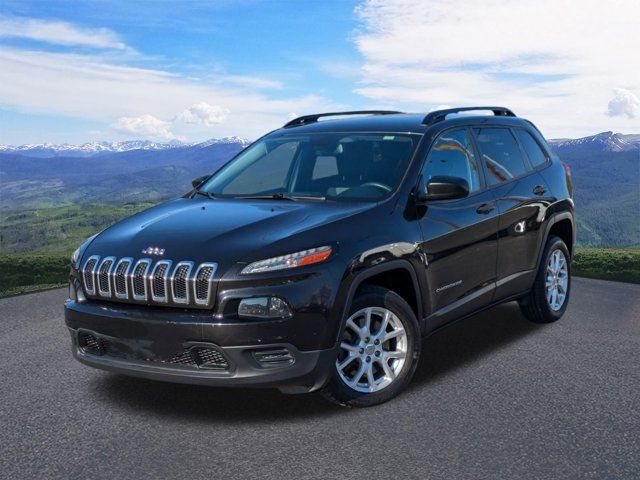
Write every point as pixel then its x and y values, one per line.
pixel 304 120
pixel 439 115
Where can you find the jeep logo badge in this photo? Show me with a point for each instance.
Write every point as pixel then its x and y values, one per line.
pixel 153 251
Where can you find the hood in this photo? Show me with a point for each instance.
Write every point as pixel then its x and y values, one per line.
pixel 225 231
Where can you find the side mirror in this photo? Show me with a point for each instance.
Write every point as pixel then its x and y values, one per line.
pixel 444 188
pixel 199 181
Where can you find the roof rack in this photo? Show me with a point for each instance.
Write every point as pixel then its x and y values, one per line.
pixel 304 120
pixel 439 115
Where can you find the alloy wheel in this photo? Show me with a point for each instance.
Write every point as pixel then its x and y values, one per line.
pixel 373 350
pixel 557 280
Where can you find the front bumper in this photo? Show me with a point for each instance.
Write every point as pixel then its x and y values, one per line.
pixel 153 344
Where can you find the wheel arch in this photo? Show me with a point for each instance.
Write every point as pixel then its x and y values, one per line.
pixel 561 224
pixel 385 275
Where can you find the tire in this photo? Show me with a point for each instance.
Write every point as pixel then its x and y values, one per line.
pixel 368 350
pixel 536 306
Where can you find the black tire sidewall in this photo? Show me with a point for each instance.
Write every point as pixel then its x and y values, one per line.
pixel 372 296
pixel 540 297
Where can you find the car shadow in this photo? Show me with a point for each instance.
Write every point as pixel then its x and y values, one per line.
pixel 469 340
pixel 462 343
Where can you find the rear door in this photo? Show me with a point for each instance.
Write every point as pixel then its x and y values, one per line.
pixel 520 192
pixel 459 236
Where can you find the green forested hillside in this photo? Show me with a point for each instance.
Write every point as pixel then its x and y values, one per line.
pixel 607 197
pixel 58 229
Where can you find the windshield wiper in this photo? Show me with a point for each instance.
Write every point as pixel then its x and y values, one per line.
pixel 205 194
pixel 281 196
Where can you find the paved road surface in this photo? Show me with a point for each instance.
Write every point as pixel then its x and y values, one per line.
pixel 494 397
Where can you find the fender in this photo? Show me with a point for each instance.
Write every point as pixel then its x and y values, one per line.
pixel 369 272
pixel 555 218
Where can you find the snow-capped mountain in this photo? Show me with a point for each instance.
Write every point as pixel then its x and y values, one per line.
pixel 601 142
pixel 216 141
pixel 45 150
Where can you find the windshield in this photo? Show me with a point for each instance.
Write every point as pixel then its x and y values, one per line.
pixel 349 166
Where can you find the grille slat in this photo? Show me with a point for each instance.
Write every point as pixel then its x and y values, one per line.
pixel 202 283
pixel 159 281
pixel 139 279
pixel 88 274
pixel 180 282
pixel 104 272
pixel 120 284
pixel 143 280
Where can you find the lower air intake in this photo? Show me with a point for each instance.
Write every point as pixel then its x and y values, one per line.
pixel 201 357
pixel 91 344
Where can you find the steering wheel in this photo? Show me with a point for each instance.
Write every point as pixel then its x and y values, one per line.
pixel 381 186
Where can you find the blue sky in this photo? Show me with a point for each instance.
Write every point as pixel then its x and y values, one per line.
pixel 165 70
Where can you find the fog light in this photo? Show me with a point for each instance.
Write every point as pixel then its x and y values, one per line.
pixel 264 307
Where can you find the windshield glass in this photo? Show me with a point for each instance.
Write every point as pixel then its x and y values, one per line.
pixel 349 166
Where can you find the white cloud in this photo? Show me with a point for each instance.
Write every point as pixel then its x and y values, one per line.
pixel 204 114
pixel 96 88
pixel 555 61
pixel 59 33
pixel 144 126
pixel 624 103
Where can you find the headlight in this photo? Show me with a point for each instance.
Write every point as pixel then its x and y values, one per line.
pixel 75 257
pixel 298 259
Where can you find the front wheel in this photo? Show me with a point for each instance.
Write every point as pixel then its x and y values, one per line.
pixel 378 352
pixel 549 296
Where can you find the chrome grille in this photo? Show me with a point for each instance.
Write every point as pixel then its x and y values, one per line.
pixel 88 274
pixel 180 282
pixel 139 279
pixel 159 281
pixel 120 284
pixel 104 272
pixel 149 282
pixel 202 283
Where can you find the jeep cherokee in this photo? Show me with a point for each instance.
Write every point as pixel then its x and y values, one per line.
pixel 319 256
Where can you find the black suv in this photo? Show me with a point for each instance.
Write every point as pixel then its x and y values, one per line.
pixel 319 256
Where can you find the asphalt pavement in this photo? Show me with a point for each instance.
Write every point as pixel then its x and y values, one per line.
pixel 494 396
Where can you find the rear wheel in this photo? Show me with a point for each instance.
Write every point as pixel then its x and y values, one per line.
pixel 549 296
pixel 378 352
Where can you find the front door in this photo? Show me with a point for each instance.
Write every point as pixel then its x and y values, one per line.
pixel 459 236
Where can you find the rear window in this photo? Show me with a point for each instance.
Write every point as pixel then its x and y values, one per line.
pixel 531 148
pixel 500 153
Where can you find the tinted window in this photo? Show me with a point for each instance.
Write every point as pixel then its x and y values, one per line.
pixel 325 167
pixel 501 154
pixel 531 148
pixel 452 155
pixel 264 170
pixel 349 166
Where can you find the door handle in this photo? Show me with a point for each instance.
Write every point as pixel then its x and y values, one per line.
pixel 539 190
pixel 485 208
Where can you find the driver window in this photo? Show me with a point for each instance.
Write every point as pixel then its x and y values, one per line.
pixel 452 155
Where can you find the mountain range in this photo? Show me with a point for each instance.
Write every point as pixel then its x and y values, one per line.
pixel 605 173
pixel 603 142
pixel 45 150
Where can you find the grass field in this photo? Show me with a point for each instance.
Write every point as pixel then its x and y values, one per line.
pixel 619 264
pixel 58 229
pixel 28 272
